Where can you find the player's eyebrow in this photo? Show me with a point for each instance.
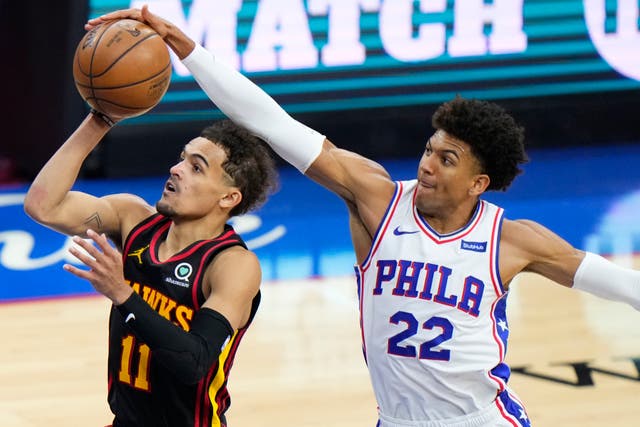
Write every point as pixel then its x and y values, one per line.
pixel 446 150
pixel 186 153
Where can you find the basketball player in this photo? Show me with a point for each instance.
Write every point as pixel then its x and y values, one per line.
pixel 185 288
pixel 435 261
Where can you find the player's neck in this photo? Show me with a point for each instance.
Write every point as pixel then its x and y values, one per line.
pixel 183 234
pixel 447 221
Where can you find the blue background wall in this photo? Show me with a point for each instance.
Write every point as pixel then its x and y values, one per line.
pixel 590 196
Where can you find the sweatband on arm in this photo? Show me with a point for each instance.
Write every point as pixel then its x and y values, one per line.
pixel 605 279
pixel 252 108
pixel 188 355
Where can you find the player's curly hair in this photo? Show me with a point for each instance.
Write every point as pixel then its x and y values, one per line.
pixel 249 163
pixel 494 136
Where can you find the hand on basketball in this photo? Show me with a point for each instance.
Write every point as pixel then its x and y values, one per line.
pixel 105 263
pixel 158 24
pixel 173 36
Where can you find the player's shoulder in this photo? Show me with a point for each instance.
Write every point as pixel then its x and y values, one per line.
pixel 530 237
pixel 524 226
pixel 518 230
pixel 235 257
pixel 516 224
pixel 126 201
pixel 235 266
pixel 520 244
pixel 130 208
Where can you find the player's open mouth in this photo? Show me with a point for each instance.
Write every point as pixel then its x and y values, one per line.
pixel 169 187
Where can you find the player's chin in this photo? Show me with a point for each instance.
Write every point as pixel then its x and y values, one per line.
pixel 426 202
pixel 424 191
pixel 165 208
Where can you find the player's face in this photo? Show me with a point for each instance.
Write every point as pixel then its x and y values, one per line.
pixel 197 183
pixel 447 174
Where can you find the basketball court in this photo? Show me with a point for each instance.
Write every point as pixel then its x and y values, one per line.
pixel 300 364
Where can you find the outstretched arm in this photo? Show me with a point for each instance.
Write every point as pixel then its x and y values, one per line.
pixel 236 96
pixel 528 246
pixel 354 178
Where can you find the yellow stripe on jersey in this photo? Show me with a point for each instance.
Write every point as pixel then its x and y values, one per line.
pixel 218 380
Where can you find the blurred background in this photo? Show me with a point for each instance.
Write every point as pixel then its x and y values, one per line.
pixel 368 74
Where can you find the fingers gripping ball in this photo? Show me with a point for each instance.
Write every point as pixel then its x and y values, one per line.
pixel 122 68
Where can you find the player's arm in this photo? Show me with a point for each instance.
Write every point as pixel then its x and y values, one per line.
pixel 534 248
pixel 231 281
pixel 51 202
pixel 351 176
pixel 354 178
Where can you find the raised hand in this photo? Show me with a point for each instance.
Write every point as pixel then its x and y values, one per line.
pixel 105 267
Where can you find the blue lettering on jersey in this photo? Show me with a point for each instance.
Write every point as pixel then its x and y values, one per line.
pixel 474 246
pixel 406 276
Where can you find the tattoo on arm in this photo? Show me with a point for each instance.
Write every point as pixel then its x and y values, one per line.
pixel 94 220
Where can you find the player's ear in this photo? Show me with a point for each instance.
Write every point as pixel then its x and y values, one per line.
pixel 231 199
pixel 479 184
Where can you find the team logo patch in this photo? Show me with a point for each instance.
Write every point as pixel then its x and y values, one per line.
pixel 183 271
pixel 473 246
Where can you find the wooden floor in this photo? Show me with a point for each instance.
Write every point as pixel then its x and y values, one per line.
pixel 300 364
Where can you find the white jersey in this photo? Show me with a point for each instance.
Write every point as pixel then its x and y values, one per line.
pixel 433 317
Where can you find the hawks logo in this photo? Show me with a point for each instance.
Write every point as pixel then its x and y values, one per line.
pixel 166 306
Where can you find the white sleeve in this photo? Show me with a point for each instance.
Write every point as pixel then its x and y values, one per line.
pixel 605 279
pixel 249 106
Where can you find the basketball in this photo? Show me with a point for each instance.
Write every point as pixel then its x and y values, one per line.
pixel 122 68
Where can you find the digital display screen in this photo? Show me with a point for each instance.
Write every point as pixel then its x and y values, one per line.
pixel 335 55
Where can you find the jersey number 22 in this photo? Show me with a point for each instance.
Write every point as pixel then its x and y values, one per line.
pixel 426 348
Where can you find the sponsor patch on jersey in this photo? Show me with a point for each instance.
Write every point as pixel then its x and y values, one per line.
pixel 176 282
pixel 473 246
pixel 181 273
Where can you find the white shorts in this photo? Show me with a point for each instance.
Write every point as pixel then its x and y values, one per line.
pixel 505 411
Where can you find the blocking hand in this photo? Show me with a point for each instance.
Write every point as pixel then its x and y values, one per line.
pixel 177 40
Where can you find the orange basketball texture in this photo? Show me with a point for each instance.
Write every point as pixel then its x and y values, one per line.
pixel 122 68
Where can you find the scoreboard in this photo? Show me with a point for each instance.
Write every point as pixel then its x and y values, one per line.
pixel 336 55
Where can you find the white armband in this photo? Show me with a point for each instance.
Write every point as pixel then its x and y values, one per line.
pixel 605 279
pixel 252 108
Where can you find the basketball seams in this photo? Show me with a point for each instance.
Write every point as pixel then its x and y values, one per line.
pixel 123 54
pixel 93 55
pixel 129 84
pixel 103 100
pixel 114 59
pixel 93 52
